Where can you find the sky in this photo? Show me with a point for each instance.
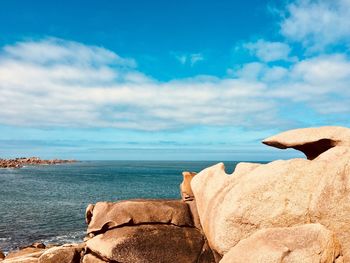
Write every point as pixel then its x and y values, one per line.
pixel 169 80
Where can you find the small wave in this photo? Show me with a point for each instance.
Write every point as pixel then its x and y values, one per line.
pixel 68 238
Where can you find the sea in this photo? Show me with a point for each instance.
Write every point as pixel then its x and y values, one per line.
pixel 47 203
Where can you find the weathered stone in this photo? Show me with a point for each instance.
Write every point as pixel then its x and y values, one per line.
pixel 89 258
pixel 63 254
pixel 28 251
pixel 107 215
pixel 23 259
pixel 311 141
pixel 148 243
pixel 38 245
pixel 185 186
pixel 301 244
pixel 277 194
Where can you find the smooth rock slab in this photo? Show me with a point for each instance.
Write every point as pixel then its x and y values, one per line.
pixel 106 215
pixel 309 243
pixel 148 243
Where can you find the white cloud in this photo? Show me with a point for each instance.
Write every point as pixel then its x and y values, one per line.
pixel 317 24
pixel 101 89
pixel 268 51
pixel 189 59
pixel 62 83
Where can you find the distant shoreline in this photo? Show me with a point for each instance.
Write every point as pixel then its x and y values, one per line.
pixel 20 162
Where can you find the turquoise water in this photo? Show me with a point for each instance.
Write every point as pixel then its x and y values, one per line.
pixel 47 203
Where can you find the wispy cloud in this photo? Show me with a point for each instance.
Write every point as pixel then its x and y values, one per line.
pixel 317 24
pixel 189 59
pixel 268 51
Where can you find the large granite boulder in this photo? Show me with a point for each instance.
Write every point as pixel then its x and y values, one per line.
pixel 308 243
pixel 107 215
pixel 148 243
pixel 281 193
pixel 69 253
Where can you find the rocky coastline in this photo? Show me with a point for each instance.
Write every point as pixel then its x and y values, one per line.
pixel 20 162
pixel 291 211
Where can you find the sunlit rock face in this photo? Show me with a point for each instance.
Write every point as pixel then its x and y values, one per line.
pixel 282 193
pixel 299 244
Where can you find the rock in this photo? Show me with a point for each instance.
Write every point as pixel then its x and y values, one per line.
pixel 63 254
pixel 19 162
pixel 27 252
pixel 148 243
pixel 23 259
pixel 88 213
pixel 301 244
pixel 311 141
pixel 277 194
pixel 185 186
pixel 89 258
pixel 107 215
pixel 25 255
pixel 38 245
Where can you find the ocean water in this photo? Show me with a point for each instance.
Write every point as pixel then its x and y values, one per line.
pixel 47 203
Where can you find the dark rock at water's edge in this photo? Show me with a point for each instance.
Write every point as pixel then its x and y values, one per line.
pixel 20 162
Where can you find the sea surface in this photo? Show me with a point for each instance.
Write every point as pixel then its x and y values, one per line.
pixel 47 203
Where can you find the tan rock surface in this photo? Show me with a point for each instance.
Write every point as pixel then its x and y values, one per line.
pixel 277 194
pixel 27 251
pixel 89 258
pixel 23 259
pixel 148 243
pixel 311 141
pixel 63 254
pixel 107 215
pixel 185 186
pixel 309 243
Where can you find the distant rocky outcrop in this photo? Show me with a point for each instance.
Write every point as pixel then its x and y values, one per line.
pixel 290 211
pixel 20 162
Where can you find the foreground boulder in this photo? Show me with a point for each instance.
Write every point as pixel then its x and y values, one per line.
pixel 24 255
pixel 148 243
pixel 281 193
pixel 107 215
pixel 301 244
pixel 69 253
pixel 64 254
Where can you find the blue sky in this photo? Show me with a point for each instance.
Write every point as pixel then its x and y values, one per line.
pixel 184 80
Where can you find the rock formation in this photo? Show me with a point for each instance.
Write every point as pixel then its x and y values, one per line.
pixel 290 211
pixel 300 244
pixel 20 162
pixel 281 193
pixel 145 231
